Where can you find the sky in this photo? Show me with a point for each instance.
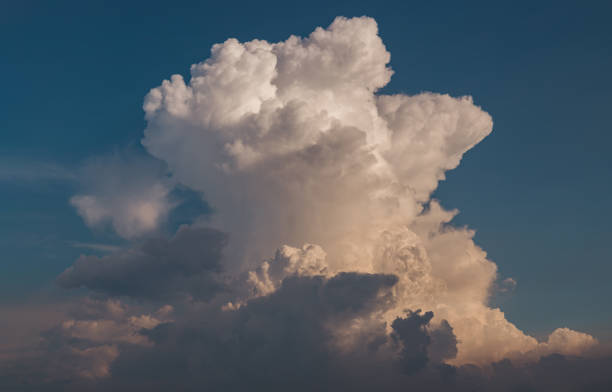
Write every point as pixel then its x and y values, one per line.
pixel 83 172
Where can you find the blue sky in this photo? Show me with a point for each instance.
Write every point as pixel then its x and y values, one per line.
pixel 536 190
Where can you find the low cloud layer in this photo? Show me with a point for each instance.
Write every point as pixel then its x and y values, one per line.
pixel 325 264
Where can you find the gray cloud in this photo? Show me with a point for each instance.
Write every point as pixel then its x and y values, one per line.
pixel 410 334
pixel 186 264
pixel 283 341
pixel 287 340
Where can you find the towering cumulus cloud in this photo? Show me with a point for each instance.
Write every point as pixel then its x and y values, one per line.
pixel 325 264
pixel 291 145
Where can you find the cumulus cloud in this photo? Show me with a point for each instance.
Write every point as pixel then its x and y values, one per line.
pixel 291 339
pixel 370 287
pixel 283 341
pixel 128 192
pixel 291 144
pixel 288 261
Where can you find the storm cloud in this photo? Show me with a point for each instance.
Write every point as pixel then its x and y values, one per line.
pixel 325 263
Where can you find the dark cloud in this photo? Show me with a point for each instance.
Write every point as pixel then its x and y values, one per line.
pixel 186 264
pixel 551 373
pixel 282 341
pixel 410 334
pixel 56 366
pixel 286 341
pixel 443 343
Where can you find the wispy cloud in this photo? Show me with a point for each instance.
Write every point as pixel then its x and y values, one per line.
pixel 93 246
pixel 19 170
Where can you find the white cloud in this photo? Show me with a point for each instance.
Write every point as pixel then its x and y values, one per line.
pixel 288 261
pixel 567 342
pixel 129 193
pixel 291 144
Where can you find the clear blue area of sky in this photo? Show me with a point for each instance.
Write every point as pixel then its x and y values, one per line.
pixel 537 190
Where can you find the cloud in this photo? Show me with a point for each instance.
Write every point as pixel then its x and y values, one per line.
pixel 23 322
pixel 129 192
pixel 566 342
pixel 78 352
pixel 288 261
pixel 93 246
pixel 282 341
pixel 291 144
pixel 411 335
pixel 550 373
pixel 292 339
pixel 185 264
pixel 12 169
pixel 295 150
